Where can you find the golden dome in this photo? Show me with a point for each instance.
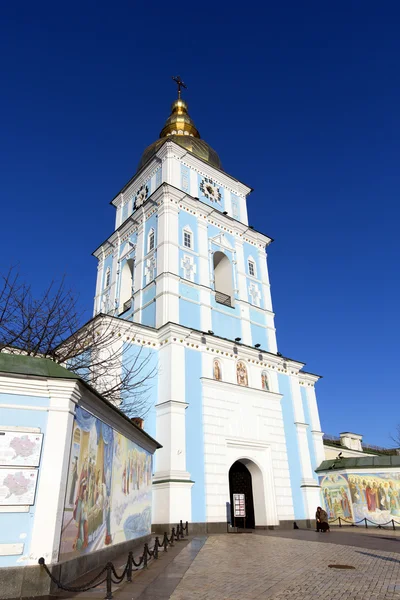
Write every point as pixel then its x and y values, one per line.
pixel 179 128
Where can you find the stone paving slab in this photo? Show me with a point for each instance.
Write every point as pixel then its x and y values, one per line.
pixel 247 567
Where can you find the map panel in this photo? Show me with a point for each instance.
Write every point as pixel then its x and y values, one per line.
pixel 20 449
pixel 17 486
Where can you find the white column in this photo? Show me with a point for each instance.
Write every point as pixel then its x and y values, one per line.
pixel 171 482
pixel 309 485
pixel 241 270
pixel 167 304
pixel 204 275
pixel 50 496
pixel 315 425
pixel 138 273
pixel 98 297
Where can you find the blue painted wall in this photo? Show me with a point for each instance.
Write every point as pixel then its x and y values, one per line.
pixel 291 446
pixel 259 335
pixel 13 525
pixel 185 178
pixel 309 434
pixel 194 434
pixel 224 323
pixel 149 315
pixel 146 360
pixel 189 314
pixel 149 293
pixel 235 206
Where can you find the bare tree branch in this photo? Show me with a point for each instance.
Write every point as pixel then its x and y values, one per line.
pixel 49 326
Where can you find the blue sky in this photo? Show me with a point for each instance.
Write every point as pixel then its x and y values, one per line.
pixel 300 100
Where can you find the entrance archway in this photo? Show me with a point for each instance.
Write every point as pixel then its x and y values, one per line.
pixel 240 482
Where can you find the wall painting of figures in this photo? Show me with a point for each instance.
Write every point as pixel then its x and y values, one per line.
pixel 375 496
pixel 336 496
pixel 108 498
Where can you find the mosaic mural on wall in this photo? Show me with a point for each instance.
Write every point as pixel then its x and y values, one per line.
pixel 108 497
pixel 354 496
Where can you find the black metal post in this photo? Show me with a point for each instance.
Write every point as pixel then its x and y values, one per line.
pixel 187 528
pixel 366 524
pixel 165 542
pixel 129 570
pixel 108 581
pixel 156 544
pixel 172 536
pixel 340 522
pixel 145 552
pixel 394 526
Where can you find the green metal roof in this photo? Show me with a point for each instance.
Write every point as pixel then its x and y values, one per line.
pixel 364 462
pixel 20 364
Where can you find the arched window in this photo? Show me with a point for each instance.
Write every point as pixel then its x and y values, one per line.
pixel 217 371
pixel 107 278
pixel 265 381
pixel 125 296
pixel 223 279
pixel 151 240
pixel 241 373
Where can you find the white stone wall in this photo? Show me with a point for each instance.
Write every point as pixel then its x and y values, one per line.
pixel 245 423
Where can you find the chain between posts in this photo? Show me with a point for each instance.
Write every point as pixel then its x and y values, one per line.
pixel 111 575
pixel 341 520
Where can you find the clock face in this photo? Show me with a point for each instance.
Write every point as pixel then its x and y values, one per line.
pixel 210 190
pixel 141 196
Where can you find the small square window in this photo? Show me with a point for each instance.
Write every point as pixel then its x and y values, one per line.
pixel 252 270
pixel 187 239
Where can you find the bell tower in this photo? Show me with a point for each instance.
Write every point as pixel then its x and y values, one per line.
pixel 187 277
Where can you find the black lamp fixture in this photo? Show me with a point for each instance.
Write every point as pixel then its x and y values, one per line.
pixel 257 345
pixel 210 332
pixel 225 212
pixel 238 339
pixel 279 354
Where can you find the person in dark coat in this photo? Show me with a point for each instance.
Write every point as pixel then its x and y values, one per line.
pixel 321 518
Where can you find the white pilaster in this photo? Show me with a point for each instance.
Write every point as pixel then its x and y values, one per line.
pixel 309 485
pixel 171 483
pixel 52 484
pixel 315 425
pixel 138 274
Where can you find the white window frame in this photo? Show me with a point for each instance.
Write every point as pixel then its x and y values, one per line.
pixel 251 264
pixel 151 238
pixel 187 239
pixel 107 279
pixel 187 231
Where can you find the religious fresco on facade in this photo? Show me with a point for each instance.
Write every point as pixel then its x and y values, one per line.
pixel 264 381
pixel 217 372
pixel 375 496
pixel 108 498
pixel 241 373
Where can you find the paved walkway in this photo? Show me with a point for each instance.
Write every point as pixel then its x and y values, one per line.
pixel 276 565
pixel 281 567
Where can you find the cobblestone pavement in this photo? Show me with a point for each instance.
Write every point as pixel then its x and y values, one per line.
pixel 233 567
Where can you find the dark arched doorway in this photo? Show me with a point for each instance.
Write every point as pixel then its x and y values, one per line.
pixel 240 482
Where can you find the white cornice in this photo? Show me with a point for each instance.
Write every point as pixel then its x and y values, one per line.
pixel 172 333
pixel 228 387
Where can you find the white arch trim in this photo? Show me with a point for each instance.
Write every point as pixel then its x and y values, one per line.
pixel 259 463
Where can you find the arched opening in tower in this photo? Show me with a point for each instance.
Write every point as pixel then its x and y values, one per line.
pixel 240 482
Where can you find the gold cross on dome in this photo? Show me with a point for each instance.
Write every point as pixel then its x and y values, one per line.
pixel 180 84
